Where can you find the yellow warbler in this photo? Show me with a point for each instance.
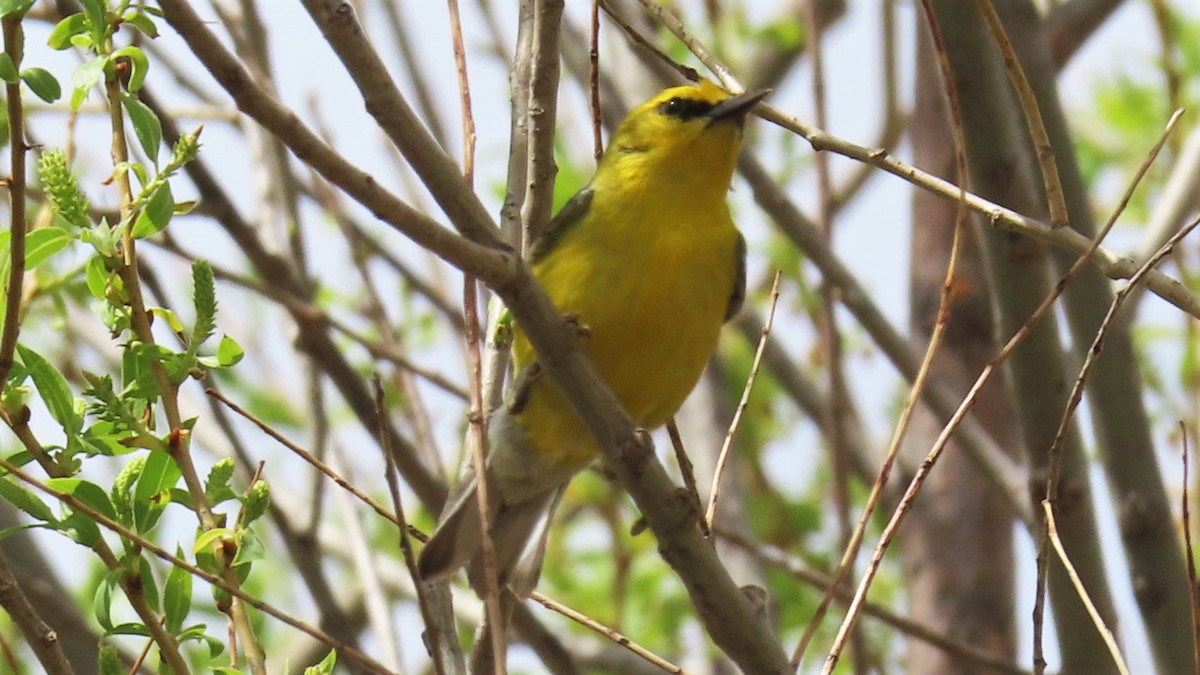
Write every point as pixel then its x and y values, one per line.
pixel 649 262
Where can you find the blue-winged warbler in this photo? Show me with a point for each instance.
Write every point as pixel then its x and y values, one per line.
pixel 649 262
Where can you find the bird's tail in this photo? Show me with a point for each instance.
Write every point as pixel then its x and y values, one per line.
pixel 458 540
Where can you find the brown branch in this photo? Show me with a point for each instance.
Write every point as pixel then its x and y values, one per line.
pixel 41 638
pixel 14 37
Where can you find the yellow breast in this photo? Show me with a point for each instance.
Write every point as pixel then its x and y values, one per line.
pixel 652 293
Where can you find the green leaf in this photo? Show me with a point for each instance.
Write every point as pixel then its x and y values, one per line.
pixel 81 528
pixel 207 539
pixel 325 667
pixel 89 493
pixel 97 18
pixel 8 7
pixel 177 595
pixel 229 352
pixel 8 70
pixel 17 529
pixel 146 125
pixel 157 213
pixel 199 633
pixel 85 77
pixel 204 297
pixel 96 275
pixel 169 316
pixel 26 501
pixel 54 390
pixel 250 549
pixel 149 585
pixel 142 22
pixel 102 601
pixel 42 83
pixel 138 64
pixel 129 629
pixel 152 494
pixel 43 243
pixel 60 37
pixel 216 486
pixel 256 501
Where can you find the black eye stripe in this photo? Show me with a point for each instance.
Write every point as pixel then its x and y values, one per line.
pixel 684 108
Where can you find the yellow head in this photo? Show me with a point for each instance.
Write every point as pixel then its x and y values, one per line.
pixel 686 136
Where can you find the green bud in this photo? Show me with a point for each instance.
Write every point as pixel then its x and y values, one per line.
pixel 122 486
pixel 254 504
pixel 62 188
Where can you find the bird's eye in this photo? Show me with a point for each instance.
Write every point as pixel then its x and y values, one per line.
pixel 684 108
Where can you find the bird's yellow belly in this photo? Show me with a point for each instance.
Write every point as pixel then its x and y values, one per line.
pixel 652 314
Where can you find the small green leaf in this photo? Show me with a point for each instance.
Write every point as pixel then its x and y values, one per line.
pixel 255 503
pixel 85 77
pixel 229 352
pixel 60 37
pixel 54 390
pixel 42 83
pixel 43 243
pixel 146 125
pixel 138 64
pixel 141 22
pixel 157 213
pixel 216 486
pixel 8 70
pixel 325 667
pixel 81 528
pixel 250 549
pixel 177 595
pixel 8 7
pixel 89 493
pixel 152 493
pixel 206 540
pixel 149 585
pixel 17 529
pixel 97 18
pixel 25 500
pixel 169 316
pixel 102 601
pixel 96 274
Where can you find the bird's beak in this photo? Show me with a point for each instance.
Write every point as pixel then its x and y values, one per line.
pixel 736 107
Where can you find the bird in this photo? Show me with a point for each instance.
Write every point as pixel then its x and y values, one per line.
pixel 648 262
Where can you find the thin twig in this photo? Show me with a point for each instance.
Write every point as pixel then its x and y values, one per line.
pixel 610 633
pixel 1109 640
pixel 935 339
pixel 710 513
pixel 775 557
pixel 1054 467
pixel 686 470
pixel 434 632
pixel 1033 115
pixel 594 79
pixel 1193 595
